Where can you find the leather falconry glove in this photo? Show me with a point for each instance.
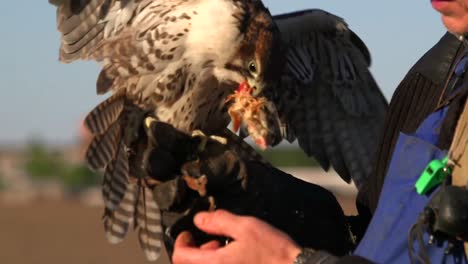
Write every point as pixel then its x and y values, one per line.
pixel 200 172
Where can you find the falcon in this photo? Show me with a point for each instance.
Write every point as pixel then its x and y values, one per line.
pixel 179 61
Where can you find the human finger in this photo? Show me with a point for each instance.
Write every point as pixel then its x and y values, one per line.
pixel 195 255
pixel 220 222
pixel 211 245
pixel 184 239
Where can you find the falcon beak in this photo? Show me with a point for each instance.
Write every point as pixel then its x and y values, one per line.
pixel 256 87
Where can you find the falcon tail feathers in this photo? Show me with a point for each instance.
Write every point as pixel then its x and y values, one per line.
pixel 118 221
pixel 116 125
pixel 105 114
pixel 103 148
pixel 116 179
pixel 148 222
pixel 107 149
pixel 128 202
pixel 137 208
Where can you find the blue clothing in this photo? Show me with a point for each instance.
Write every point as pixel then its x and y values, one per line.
pixel 399 206
pixel 386 239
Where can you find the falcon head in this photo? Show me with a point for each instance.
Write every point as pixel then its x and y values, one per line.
pixel 259 58
pixel 260 62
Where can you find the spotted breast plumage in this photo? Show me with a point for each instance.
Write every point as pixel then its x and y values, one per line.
pixel 179 60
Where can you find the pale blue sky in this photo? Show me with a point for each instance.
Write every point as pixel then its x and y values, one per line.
pixel 42 97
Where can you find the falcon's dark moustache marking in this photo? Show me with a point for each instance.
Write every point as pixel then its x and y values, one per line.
pixel 239 69
pixel 261 41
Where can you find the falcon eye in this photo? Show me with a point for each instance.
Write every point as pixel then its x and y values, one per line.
pixel 252 66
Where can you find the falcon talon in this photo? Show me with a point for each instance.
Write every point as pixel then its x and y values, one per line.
pixel 212 202
pixel 149 120
pixel 219 139
pixel 202 181
pixel 204 140
pixel 198 133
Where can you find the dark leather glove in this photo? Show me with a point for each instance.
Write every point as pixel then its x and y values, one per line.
pixel 196 179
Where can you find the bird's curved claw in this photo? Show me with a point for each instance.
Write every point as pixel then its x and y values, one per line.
pixel 219 139
pixel 148 121
pixel 203 137
pixel 212 203
pixel 198 133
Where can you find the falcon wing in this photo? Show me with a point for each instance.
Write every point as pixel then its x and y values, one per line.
pixel 137 41
pixel 327 97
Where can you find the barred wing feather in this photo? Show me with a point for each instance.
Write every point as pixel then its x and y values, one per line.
pixel 327 95
pixel 124 36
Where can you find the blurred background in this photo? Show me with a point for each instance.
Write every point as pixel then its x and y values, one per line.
pixel 50 202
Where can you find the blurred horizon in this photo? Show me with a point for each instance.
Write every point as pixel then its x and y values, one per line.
pixel 43 99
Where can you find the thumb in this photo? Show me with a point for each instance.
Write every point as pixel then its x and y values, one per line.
pixel 220 222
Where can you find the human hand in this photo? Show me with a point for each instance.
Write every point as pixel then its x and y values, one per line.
pixel 254 241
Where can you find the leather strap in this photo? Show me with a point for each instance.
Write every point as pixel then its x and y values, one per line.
pixel 459 153
pixel 459 150
pixel 443 101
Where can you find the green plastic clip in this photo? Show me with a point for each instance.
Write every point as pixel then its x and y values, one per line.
pixel 433 175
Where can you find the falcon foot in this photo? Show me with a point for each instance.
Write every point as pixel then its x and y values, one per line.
pixel 219 139
pixel 198 133
pixel 204 139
